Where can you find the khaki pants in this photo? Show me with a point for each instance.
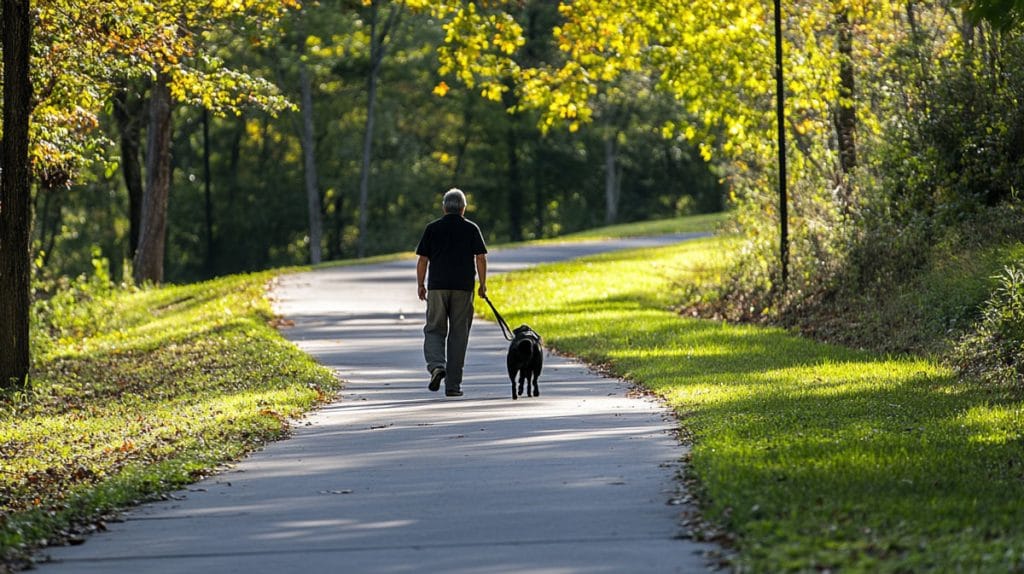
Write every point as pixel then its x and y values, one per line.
pixel 446 334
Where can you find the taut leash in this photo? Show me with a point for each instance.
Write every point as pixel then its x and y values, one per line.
pixel 505 331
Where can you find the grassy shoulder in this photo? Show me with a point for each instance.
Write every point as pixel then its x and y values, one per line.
pixel 138 392
pixel 814 457
pixel 704 223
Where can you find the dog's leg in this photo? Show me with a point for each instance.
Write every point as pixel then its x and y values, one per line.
pixel 522 381
pixel 536 389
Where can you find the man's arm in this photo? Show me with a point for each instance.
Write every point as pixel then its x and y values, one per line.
pixel 481 273
pixel 421 277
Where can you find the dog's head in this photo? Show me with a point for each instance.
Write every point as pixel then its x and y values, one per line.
pixel 526 332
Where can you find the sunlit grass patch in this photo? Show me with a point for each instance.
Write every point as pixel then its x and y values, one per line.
pixel 137 392
pixel 815 457
pixel 688 224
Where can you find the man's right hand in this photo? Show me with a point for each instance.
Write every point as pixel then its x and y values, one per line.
pixel 423 293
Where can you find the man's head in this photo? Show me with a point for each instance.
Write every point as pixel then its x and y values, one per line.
pixel 454 201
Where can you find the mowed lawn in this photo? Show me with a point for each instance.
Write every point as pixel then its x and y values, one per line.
pixel 810 456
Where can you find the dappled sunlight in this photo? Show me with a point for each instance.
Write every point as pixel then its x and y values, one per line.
pixel 993 424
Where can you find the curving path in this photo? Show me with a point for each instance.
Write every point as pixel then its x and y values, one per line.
pixel 392 478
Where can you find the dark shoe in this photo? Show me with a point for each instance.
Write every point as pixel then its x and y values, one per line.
pixel 452 393
pixel 435 379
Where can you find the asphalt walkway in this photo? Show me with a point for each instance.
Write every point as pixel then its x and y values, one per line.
pixel 392 478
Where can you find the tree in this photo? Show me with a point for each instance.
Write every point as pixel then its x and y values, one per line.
pixel 184 72
pixel 148 264
pixel 129 106
pixel 379 36
pixel 15 195
pixel 309 157
pixel 1003 14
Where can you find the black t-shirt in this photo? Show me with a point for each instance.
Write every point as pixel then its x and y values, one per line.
pixel 451 244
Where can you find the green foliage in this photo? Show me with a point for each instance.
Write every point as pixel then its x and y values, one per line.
pixel 1003 14
pixel 807 457
pixel 993 351
pixel 136 392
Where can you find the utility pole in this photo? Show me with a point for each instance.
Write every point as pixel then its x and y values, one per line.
pixel 780 113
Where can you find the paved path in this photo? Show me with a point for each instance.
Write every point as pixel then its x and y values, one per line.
pixel 392 478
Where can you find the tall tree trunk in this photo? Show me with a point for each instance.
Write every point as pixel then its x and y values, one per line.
pixel 127 115
pixel 336 244
pixel 460 151
pixel 48 225
pixel 211 247
pixel 371 104
pixel 378 47
pixel 148 264
pixel 515 180
pixel 515 187
pixel 539 188
pixel 309 154
pixel 612 177
pixel 15 195
pixel 846 115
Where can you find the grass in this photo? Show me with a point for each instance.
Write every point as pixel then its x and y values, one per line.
pixel 705 223
pixel 690 224
pixel 136 393
pixel 809 456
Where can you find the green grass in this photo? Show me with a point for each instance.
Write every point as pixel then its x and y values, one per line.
pixel 689 224
pixel 813 457
pixel 135 393
pixel 705 223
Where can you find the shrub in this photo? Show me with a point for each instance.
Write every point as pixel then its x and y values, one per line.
pixel 993 351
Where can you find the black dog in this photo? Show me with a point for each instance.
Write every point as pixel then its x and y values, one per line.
pixel 525 358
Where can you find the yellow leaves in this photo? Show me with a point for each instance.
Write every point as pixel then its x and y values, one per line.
pixel 492 91
pixel 441 89
pixel 705 151
pixel 444 158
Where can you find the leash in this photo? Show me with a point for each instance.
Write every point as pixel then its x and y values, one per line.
pixel 505 331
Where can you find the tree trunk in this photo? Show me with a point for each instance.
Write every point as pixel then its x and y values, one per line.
pixel 371 103
pixel 515 180
pixel 846 120
pixel 539 188
pixel 51 225
pixel 612 179
pixel 148 263
pixel 378 46
pixel 127 116
pixel 309 153
pixel 15 196
pixel 336 243
pixel 211 247
pixel 515 187
pixel 460 151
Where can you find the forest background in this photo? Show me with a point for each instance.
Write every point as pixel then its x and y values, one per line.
pixel 259 134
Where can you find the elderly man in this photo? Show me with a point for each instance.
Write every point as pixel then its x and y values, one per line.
pixel 452 249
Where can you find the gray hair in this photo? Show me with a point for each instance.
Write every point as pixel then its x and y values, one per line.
pixel 454 201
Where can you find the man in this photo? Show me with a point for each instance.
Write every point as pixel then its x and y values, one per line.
pixel 453 248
